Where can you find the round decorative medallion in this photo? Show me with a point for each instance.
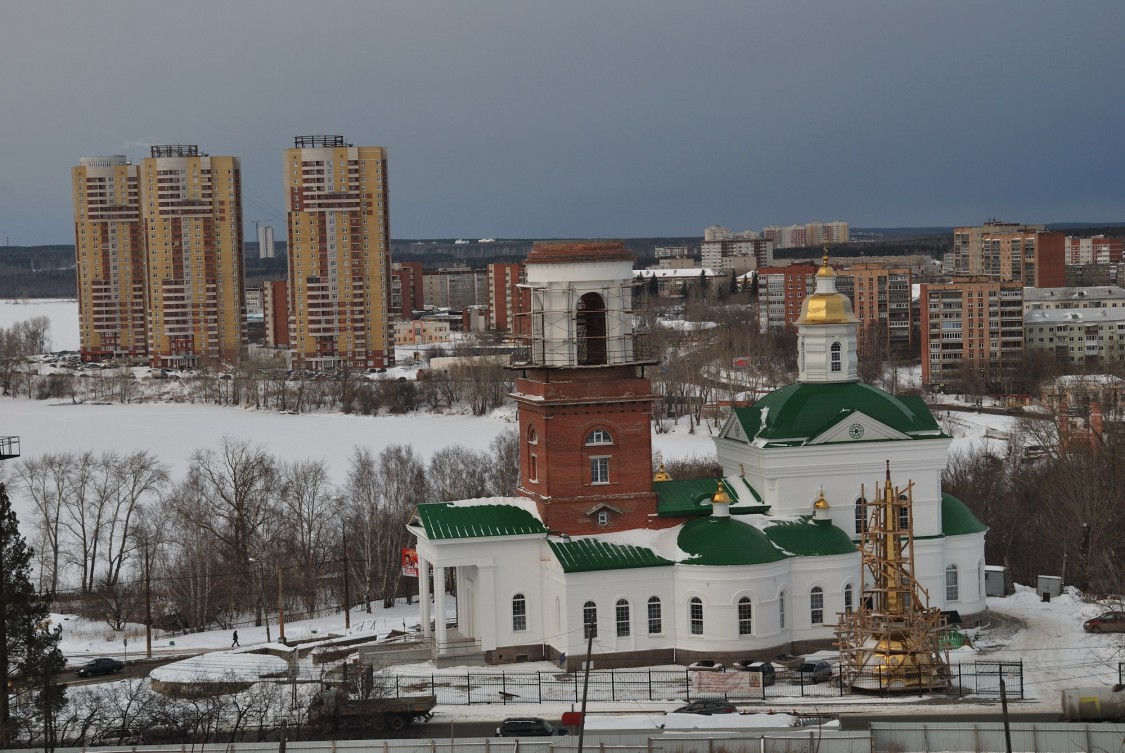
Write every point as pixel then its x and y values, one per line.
pixel 855 431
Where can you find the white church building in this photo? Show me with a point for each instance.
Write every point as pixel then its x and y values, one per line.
pixel 750 565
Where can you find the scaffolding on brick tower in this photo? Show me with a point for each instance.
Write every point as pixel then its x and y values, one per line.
pixel 575 326
pixel 893 640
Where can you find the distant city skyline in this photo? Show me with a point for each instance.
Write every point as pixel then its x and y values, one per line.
pixel 508 119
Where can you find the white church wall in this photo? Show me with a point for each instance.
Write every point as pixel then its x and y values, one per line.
pixel 830 574
pixel 605 589
pixel 720 588
pixel 967 553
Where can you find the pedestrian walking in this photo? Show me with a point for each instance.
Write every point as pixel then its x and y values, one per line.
pixel 235 641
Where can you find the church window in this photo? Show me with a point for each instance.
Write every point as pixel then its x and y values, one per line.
pixel 622 615
pixel 599 436
pixel 533 468
pixel 599 469
pixel 860 515
pixel 519 612
pixel 603 517
pixel 781 610
pixel 836 363
pixel 903 513
pixel 589 620
pixel 695 614
pixel 816 605
pixel 591 330
pixel 655 618
pixel 952 584
pixel 532 435
pixel 848 598
pixel 745 616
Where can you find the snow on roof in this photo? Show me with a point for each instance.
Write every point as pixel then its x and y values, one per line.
pixel 689 273
pixel 661 542
pixel 523 503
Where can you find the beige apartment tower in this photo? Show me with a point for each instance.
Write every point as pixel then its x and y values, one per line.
pixel 109 258
pixel 191 205
pixel 339 254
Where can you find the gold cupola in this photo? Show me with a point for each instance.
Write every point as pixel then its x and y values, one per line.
pixel 826 305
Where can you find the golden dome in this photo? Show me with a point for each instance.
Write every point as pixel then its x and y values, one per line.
pixel 827 308
pixel 662 475
pixel 821 503
pixel 720 496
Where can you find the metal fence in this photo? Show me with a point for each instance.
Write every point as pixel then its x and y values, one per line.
pixel 980 679
pixel 990 738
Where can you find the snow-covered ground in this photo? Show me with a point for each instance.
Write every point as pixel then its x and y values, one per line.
pixel 63 313
pixel 1046 636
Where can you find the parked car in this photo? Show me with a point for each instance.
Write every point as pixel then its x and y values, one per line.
pixel 527 726
pixel 810 672
pixel 769 674
pixel 1110 622
pixel 102 666
pixel 707 707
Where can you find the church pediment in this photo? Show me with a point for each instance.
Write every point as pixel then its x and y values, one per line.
pixel 857 426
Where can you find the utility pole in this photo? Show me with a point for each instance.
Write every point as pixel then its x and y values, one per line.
pixel 280 608
pixel 347 594
pixel 148 607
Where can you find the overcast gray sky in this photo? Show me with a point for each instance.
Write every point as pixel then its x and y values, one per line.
pixel 587 118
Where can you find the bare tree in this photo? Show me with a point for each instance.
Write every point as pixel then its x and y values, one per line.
pixel 457 472
pixel 310 509
pixel 504 466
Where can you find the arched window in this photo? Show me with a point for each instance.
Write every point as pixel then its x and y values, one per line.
pixel 816 605
pixel 532 435
pixel 519 612
pixel 848 598
pixel 903 513
pixel 860 515
pixel 695 614
pixel 952 585
pixel 623 621
pixel 591 330
pixel 836 362
pixel 599 436
pixel 745 616
pixel 589 620
pixel 655 622
pixel 781 610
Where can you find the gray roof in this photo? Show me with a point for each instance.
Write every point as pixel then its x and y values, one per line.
pixel 1074 316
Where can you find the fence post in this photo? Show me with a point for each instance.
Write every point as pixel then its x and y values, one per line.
pixel 960 682
pixel 468 690
pixel 504 687
pixel 650 684
pixel 397 691
pixel 687 684
pixel 433 687
pixel 539 682
pixel 612 686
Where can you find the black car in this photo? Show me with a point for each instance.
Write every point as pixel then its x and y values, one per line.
pixel 764 668
pixel 810 672
pixel 103 666
pixel 707 707
pixel 525 726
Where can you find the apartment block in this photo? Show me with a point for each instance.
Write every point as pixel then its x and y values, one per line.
pixel 1011 253
pixel 781 291
pixel 1096 249
pixel 881 299
pixel 1077 335
pixel 503 295
pixel 191 204
pixel 275 313
pixel 971 329
pixel 1091 297
pixel 407 294
pixel 109 246
pixel 738 255
pixel 455 287
pixel 421 332
pixel 339 253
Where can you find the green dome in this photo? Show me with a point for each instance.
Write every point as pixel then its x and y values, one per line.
pixel 957 519
pixel 725 541
pixel 799 412
pixel 809 538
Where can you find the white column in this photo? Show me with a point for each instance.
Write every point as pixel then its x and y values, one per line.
pixel 487 614
pixel 424 594
pixel 439 604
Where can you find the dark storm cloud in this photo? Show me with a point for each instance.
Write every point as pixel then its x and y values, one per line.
pixel 638 117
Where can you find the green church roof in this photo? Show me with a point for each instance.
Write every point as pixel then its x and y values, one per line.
pixel 586 555
pixel 725 541
pixel 799 412
pixel 692 497
pixel 807 538
pixel 957 519
pixel 446 520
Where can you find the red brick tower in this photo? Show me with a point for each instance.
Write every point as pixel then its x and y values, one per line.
pixel 585 404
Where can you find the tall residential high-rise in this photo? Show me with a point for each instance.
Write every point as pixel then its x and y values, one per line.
pixel 191 204
pixel 339 253
pixel 110 259
pixel 266 247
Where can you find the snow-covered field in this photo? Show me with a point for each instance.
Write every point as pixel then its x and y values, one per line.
pixel 63 313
